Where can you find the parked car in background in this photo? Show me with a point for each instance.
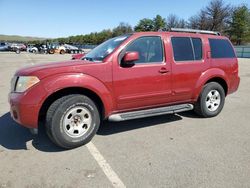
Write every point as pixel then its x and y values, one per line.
pixel 52 48
pixel 66 48
pixel 33 48
pixel 4 46
pixel 72 49
pixel 43 49
pixel 127 77
pixel 18 46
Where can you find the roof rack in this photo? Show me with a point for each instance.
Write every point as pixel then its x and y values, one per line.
pixel 191 31
pixel 195 31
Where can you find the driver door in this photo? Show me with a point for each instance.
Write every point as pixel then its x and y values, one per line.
pixel 147 83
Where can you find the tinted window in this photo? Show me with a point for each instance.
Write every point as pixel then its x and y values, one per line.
pixel 197 44
pixel 149 48
pixel 221 48
pixel 183 50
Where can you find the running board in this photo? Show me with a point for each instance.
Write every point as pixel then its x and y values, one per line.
pixel 150 112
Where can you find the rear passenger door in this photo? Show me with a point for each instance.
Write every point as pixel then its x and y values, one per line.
pixel 188 62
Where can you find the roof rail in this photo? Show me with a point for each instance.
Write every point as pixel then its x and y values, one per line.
pixel 191 31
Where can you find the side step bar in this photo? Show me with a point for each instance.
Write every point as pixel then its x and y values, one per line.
pixel 150 112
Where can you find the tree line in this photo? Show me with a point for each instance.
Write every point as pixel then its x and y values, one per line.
pixel 232 21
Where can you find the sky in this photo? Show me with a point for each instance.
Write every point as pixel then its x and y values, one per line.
pixel 63 18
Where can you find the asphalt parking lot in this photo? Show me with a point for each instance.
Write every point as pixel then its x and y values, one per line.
pixel 180 150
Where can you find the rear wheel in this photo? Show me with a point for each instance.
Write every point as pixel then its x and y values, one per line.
pixel 211 100
pixel 72 121
pixel 62 52
pixel 18 51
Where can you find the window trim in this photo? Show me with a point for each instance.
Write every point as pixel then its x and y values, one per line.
pixel 122 53
pixel 192 44
pixel 188 61
pixel 202 54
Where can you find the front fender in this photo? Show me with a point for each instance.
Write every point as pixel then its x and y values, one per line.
pixel 55 83
pixel 206 76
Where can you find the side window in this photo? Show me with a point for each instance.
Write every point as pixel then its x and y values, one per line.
pixel 149 48
pixel 221 48
pixel 183 50
pixel 197 44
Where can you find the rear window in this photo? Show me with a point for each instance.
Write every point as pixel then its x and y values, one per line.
pixel 221 48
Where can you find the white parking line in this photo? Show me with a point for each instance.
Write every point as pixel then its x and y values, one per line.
pixel 106 168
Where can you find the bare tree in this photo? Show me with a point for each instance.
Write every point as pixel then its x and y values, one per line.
pixel 182 23
pixel 215 16
pixel 199 21
pixel 193 22
pixel 218 14
pixel 175 21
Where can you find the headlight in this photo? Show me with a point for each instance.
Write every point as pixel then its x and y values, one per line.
pixel 25 82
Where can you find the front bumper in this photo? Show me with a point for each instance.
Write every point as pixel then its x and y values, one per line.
pixel 22 111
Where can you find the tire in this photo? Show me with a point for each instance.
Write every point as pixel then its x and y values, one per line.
pixel 72 121
pixel 62 52
pixel 211 100
pixel 51 51
pixel 33 51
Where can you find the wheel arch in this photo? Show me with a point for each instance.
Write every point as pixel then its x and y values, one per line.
pixel 69 91
pixel 211 75
pixel 220 81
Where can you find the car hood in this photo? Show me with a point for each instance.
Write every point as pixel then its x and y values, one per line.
pixel 47 69
pixel 78 56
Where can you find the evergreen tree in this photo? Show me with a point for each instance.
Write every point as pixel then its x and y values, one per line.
pixel 145 25
pixel 159 23
pixel 240 26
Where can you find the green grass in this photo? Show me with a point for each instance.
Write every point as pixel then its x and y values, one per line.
pixel 17 38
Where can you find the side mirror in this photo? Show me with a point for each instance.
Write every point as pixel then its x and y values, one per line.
pixel 129 58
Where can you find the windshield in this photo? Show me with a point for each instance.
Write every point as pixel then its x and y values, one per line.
pixel 104 49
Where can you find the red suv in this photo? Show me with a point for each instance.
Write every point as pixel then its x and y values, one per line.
pixel 127 77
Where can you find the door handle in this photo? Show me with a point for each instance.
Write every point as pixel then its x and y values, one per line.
pixel 163 71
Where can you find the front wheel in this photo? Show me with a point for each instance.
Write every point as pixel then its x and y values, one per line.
pixel 211 100
pixel 51 51
pixel 72 121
